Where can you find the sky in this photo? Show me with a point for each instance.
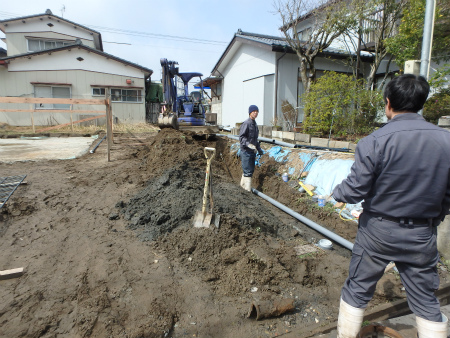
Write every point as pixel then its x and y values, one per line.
pixel 192 33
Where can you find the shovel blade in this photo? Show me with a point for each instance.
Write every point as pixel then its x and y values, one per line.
pixel 202 220
pixel 207 220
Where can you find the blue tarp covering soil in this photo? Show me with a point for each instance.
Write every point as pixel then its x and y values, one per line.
pixel 325 169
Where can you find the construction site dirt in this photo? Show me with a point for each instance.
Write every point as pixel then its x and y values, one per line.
pixel 109 248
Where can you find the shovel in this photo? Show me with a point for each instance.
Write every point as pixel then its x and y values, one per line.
pixel 202 219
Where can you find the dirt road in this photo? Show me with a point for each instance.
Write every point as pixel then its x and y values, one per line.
pixel 110 251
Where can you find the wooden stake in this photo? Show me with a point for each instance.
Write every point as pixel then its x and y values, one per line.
pixel 71 117
pixel 108 122
pixel 13 273
pixel 32 119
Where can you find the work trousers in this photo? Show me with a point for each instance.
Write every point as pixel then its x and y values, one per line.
pixel 413 249
pixel 248 162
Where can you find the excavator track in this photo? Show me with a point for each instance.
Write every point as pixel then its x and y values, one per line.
pixel 201 130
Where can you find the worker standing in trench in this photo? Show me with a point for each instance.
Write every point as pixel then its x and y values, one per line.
pixel 402 172
pixel 248 138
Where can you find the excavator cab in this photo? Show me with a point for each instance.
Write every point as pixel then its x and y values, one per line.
pixel 195 101
pixel 196 97
pixel 185 110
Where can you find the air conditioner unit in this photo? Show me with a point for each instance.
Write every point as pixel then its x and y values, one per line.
pixel 412 67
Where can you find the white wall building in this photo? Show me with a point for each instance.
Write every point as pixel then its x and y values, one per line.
pixel 263 70
pixel 50 56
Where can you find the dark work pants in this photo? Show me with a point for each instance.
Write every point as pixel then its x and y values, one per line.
pixel 413 249
pixel 248 162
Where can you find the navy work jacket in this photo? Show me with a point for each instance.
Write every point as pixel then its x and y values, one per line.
pixel 401 170
pixel 248 134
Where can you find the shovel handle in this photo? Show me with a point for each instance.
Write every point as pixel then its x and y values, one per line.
pixel 211 152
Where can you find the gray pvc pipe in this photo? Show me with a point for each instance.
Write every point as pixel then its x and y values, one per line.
pixel 280 143
pixel 234 137
pixel 289 145
pixel 338 239
pixel 268 140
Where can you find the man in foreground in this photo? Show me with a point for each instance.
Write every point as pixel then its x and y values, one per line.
pixel 248 138
pixel 402 172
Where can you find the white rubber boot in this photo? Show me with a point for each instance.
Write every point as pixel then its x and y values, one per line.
pixel 349 321
pixel 429 329
pixel 242 182
pixel 247 181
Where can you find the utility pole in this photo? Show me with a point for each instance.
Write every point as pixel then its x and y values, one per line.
pixel 427 41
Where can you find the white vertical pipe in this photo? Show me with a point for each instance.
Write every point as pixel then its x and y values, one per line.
pixel 427 40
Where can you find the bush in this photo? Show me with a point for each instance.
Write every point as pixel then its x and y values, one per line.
pixel 340 105
pixel 436 106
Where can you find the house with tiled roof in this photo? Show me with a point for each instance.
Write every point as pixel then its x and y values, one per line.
pixel 52 57
pixel 263 70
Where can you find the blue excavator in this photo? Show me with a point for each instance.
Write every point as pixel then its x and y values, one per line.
pixel 187 111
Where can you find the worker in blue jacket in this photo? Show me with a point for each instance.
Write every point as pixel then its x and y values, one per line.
pixel 402 172
pixel 248 138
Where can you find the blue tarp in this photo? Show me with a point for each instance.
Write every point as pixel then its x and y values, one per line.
pixel 322 174
pixel 279 154
pixel 326 174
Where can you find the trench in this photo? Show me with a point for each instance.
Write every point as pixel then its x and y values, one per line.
pixel 258 252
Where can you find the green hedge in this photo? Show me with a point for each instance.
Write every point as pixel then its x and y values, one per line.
pixel 436 106
pixel 339 103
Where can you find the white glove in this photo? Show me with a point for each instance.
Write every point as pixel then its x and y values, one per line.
pixel 251 146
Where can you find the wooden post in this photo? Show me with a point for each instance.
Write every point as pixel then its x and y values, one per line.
pixel 108 122
pixel 32 117
pixel 71 117
pixel 112 120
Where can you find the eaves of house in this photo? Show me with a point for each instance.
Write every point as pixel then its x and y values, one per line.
pixel 274 44
pixel 6 60
pixel 309 14
pixel 49 15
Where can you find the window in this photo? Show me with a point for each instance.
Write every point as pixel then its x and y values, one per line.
pixel 52 92
pixel 305 34
pixel 217 89
pixel 98 91
pixel 36 45
pixel 126 95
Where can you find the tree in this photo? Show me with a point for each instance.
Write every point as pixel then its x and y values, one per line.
pixel 378 22
pixel 441 34
pixel 327 20
pixel 407 44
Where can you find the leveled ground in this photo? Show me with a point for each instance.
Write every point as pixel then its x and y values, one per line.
pixel 110 250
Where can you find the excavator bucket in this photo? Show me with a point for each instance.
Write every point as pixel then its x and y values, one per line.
pixel 168 121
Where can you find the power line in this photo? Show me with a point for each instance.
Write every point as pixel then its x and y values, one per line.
pixel 9 13
pixel 165 47
pixel 156 36
pixel 138 33
pixel 118 43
